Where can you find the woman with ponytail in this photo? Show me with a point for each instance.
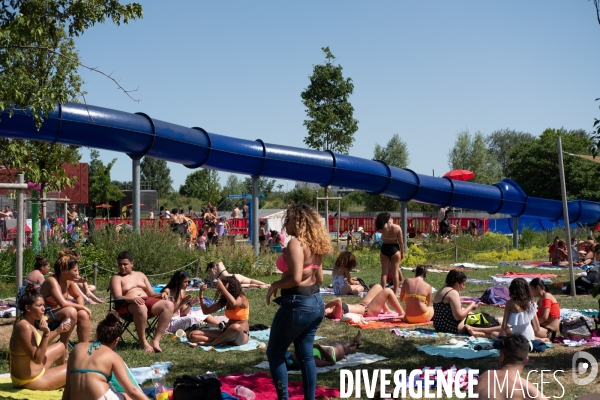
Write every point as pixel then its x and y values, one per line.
pixel 58 289
pixel 92 366
pixel 40 268
pixel 31 355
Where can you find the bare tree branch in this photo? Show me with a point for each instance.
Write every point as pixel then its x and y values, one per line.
pixel 597 5
pixel 93 69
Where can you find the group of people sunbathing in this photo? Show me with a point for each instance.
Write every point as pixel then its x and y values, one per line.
pixel 581 251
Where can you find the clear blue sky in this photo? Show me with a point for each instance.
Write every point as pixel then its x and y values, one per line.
pixel 425 70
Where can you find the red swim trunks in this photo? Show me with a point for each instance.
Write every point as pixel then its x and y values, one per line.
pixel 148 301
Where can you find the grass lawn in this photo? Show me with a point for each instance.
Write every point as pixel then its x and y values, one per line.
pixel 402 353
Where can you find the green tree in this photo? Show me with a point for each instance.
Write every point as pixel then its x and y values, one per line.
pixel 102 190
pixel 202 184
pixel 38 59
pixel 265 187
pixel 301 195
pixel 157 175
pixel 330 123
pixel 127 185
pixel 535 166
pixel 394 154
pixel 470 153
pixel 233 185
pixel 501 142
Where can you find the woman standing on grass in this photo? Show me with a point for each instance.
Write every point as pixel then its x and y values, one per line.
pixel 392 249
pixel 301 305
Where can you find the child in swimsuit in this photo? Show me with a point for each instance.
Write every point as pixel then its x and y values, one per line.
pixel 93 365
pixel 327 354
pixel 343 283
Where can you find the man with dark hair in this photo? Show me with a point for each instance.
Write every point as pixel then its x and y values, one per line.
pixel 140 300
pixel 506 382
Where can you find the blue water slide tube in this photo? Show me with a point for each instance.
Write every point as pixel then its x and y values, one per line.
pixel 140 135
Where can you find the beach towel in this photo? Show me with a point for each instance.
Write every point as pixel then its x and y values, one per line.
pixel 420 380
pixel 506 280
pixel 265 333
pixel 251 345
pixel 351 360
pixel 528 275
pixel 462 349
pixel 143 374
pixel 263 387
pixel 473 266
pixel 8 391
pixel 479 281
pixel 424 333
pixel 387 323
pixel 495 295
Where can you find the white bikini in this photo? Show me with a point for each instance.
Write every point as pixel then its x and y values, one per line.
pixel 521 322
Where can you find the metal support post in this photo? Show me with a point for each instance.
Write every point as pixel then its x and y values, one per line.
pixel 255 242
pixel 20 232
pixel 563 190
pixel 516 233
pixel 404 226
pixel 136 194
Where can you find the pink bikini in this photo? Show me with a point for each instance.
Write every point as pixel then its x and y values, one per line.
pixel 281 264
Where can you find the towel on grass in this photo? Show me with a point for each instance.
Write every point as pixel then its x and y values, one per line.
pixel 474 266
pixel 143 374
pixel 388 323
pixel 424 333
pixel 481 281
pixel 251 345
pixel 8 391
pixel 461 349
pixel 420 380
pixel 263 388
pixel 264 335
pixel 351 360
pixel 506 280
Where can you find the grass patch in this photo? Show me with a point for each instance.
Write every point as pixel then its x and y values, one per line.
pixel 402 353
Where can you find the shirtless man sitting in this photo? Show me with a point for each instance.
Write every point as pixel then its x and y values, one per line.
pixel 141 301
pixel 502 383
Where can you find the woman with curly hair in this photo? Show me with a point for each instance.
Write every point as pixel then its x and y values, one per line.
pixel 301 306
pixel 343 283
pixel 392 249
pixel 57 291
pixel 237 309
pixel 31 354
pixel 92 366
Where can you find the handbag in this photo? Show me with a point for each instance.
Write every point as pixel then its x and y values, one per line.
pixel 199 387
pixel 482 320
pixel 577 327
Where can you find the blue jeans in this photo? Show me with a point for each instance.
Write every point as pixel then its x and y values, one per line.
pixel 296 321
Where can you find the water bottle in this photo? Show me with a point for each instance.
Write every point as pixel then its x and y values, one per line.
pixel 160 385
pixel 244 393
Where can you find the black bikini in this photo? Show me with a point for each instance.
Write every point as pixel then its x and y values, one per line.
pixel 345 308
pixel 389 249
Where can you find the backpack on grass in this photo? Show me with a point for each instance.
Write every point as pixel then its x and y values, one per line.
pixel 199 387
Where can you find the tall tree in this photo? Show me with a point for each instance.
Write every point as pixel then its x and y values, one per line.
pixel 395 153
pixel 470 153
pixel 330 123
pixel 265 187
pixel 102 190
pixel 202 184
pixel 534 166
pixel 157 175
pixel 501 142
pixel 39 62
pixel 233 185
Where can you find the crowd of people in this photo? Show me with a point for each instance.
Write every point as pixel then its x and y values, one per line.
pixel 91 364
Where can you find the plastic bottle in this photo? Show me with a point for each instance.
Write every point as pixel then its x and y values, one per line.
pixel 160 385
pixel 244 393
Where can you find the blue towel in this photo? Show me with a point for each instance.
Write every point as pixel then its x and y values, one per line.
pixel 461 350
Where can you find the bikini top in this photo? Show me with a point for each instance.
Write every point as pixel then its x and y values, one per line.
pixel 554 308
pixel 283 267
pixel 91 349
pixel 416 296
pixel 238 313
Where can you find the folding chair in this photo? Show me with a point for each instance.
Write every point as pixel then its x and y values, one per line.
pixel 127 320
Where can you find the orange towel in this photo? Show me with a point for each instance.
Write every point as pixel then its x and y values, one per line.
pixel 388 323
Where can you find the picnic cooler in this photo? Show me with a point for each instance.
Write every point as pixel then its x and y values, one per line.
pixel 581 326
pixel 199 387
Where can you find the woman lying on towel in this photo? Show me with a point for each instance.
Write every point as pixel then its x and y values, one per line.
pixel 548 310
pixel 218 271
pixel 416 294
pixel 237 309
pixel 449 316
pixel 373 303
pixel 327 354
pixel 31 357
pixel 92 365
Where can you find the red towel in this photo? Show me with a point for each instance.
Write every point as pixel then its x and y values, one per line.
pixel 263 388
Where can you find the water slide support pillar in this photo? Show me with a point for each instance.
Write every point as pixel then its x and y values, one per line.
pixel 515 233
pixel 254 216
pixel 135 180
pixel 404 226
pixel 563 190
pixel 20 232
